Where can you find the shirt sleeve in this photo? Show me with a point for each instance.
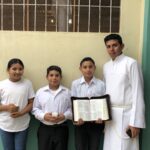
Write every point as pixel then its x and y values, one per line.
pixel 68 112
pixel 37 110
pixel 73 89
pixel 137 118
pixel 31 91
pixel 103 88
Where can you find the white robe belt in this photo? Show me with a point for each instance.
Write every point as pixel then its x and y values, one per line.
pixel 122 106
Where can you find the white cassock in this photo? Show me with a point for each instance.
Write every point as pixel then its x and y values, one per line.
pixel 124 84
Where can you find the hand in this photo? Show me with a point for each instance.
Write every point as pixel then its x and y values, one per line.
pixel 55 119
pixel 135 131
pixel 12 108
pixel 99 121
pixel 48 117
pixel 16 114
pixel 60 117
pixel 79 122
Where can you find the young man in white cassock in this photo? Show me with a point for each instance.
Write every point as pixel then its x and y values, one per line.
pixel 124 84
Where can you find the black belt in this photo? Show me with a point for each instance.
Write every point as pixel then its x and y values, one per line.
pixel 54 125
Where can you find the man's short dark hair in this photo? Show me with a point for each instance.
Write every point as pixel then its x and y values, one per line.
pixel 113 37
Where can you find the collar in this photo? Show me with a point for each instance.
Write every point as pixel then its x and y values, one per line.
pixel 118 58
pixel 93 80
pixel 46 88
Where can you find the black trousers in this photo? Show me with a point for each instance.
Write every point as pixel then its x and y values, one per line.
pixel 53 137
pixel 88 135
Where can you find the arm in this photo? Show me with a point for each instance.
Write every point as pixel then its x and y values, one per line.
pixel 27 109
pixel 38 112
pixel 103 88
pixel 10 108
pixel 37 109
pixel 74 93
pixel 137 119
pixel 68 112
pixel 73 89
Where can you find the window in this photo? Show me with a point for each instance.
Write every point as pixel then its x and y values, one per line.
pixel 60 15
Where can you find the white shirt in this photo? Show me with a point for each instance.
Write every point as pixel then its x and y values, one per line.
pixel 46 101
pixel 17 93
pixel 80 88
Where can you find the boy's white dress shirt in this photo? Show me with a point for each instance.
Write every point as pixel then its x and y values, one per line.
pixel 80 88
pixel 48 101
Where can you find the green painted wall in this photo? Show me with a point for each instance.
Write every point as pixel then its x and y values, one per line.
pixel 145 144
pixel 32 137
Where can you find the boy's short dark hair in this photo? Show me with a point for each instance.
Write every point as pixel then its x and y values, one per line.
pixel 87 59
pixel 56 68
pixel 113 37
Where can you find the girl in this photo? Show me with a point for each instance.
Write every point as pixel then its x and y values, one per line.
pixel 16 97
pixel 52 107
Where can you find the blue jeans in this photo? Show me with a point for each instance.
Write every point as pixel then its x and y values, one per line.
pixel 14 140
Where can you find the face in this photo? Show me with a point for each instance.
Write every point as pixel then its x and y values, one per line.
pixel 15 72
pixel 87 68
pixel 54 79
pixel 114 48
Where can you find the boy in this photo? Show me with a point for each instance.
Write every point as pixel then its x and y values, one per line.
pixel 52 107
pixel 87 134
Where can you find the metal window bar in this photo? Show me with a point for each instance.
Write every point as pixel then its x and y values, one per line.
pixel 67 15
pixel 26 15
pixel 35 6
pixel 13 16
pixel 89 17
pixel 110 15
pixel 78 27
pixel 74 15
pixel 99 22
pixel 23 15
pixel 56 15
pixel 45 15
pixel 2 15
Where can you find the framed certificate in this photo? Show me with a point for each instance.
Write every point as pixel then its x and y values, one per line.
pixel 91 109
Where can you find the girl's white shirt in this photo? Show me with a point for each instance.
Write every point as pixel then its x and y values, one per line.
pixel 17 93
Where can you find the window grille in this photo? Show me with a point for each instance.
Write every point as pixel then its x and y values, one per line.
pixel 60 15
